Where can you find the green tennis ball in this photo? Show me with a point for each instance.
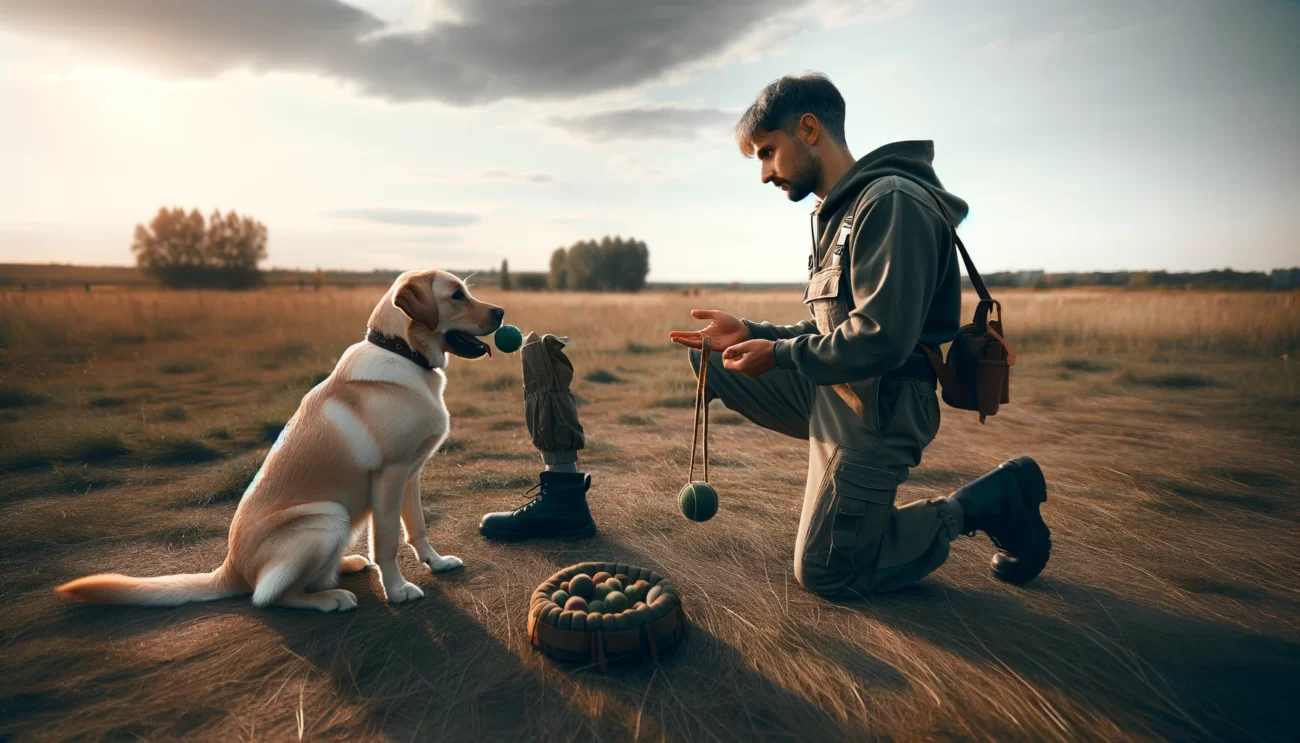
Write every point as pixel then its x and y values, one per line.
pixel 559 597
pixel 596 607
pixel 616 602
pixel 653 594
pixel 699 501
pixel 602 591
pixel 581 585
pixel 601 577
pixel 614 585
pixel 508 339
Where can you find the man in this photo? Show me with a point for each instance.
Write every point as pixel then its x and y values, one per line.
pixel 883 278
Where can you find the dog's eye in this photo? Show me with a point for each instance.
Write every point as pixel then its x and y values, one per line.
pixel 459 296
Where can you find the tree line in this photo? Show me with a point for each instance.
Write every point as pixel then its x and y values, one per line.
pixel 183 250
pixel 612 264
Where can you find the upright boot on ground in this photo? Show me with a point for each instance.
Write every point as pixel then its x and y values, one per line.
pixel 1004 505
pixel 559 510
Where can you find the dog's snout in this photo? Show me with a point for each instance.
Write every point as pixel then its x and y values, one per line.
pixel 497 314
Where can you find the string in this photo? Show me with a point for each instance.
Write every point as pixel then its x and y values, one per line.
pixel 701 405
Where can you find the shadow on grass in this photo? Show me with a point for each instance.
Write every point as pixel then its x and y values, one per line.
pixel 1150 671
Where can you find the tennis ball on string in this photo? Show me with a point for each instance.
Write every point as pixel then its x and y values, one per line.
pixel 508 339
pixel 699 501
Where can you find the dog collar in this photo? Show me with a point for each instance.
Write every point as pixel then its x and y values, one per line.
pixel 393 344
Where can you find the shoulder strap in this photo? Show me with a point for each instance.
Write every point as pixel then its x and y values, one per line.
pixel 975 280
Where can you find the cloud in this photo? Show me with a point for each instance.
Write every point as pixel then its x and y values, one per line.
pixel 1025 48
pixel 637 170
pixel 406 217
pixel 645 122
pixel 506 175
pixel 476 52
pixel 494 176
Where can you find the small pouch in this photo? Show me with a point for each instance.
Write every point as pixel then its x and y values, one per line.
pixel 824 300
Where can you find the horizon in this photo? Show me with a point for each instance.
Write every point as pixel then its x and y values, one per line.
pixel 1086 137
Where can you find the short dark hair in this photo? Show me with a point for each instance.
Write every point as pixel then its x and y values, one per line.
pixel 783 102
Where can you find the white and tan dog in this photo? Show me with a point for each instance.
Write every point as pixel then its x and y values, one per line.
pixel 354 449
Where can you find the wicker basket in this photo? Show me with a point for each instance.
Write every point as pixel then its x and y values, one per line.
pixel 599 638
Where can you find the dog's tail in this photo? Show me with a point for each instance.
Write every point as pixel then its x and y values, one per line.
pixel 167 590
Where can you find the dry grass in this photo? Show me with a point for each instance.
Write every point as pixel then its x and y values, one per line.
pixel 1166 424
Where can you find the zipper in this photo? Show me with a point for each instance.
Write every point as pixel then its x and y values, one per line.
pixel 814 258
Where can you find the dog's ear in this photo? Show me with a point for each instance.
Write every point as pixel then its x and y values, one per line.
pixel 415 298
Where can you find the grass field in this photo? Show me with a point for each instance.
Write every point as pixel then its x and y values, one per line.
pixel 1166 422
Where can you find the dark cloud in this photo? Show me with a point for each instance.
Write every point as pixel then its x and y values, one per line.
pixel 406 217
pixel 494 49
pixel 646 122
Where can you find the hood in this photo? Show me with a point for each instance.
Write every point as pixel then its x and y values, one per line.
pixel 913 160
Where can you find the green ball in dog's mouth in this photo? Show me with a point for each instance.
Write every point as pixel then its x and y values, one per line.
pixel 508 339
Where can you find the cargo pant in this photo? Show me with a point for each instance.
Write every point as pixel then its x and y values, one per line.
pixel 851 539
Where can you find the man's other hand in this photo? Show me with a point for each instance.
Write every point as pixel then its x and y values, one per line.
pixel 725 330
pixel 751 358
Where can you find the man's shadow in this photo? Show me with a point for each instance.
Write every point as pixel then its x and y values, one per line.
pixel 1150 671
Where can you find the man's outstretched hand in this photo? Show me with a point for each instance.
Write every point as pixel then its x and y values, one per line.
pixel 751 358
pixel 725 330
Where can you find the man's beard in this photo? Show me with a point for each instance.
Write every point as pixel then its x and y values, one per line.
pixel 808 172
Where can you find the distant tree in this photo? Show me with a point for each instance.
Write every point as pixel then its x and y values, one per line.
pixel 582 265
pixel 531 281
pixel 612 264
pixel 559 277
pixel 505 275
pixel 233 248
pixel 181 251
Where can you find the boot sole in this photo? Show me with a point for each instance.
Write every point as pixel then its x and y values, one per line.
pixel 570 535
pixel 1033 491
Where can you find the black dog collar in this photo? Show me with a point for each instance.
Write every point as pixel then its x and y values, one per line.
pixel 398 346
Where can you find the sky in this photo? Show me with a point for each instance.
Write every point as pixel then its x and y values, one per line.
pixel 398 134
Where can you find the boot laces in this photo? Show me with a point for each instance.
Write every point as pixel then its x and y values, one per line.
pixel 532 502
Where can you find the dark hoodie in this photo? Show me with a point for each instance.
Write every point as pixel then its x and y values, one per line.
pixel 902 283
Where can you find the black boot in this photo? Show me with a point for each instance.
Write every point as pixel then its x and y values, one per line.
pixel 1004 505
pixel 558 510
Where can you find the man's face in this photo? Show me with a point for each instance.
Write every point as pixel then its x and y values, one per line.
pixel 788 164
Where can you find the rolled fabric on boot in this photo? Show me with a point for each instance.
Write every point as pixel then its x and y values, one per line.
pixel 550 410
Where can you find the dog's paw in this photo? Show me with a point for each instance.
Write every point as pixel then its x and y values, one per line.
pixel 444 564
pixel 354 564
pixel 403 593
pixel 342 600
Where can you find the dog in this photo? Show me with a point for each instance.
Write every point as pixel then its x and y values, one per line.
pixel 352 452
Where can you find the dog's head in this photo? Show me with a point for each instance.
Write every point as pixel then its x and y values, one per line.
pixel 443 313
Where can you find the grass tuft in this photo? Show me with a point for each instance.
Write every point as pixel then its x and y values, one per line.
pixel 107 401
pixel 16 397
pixel 601 376
pixel 182 451
pixel 181 367
pixel 1174 381
pixel 502 482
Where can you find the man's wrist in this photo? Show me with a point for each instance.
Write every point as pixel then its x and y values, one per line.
pixel 756 331
pixel 782 353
